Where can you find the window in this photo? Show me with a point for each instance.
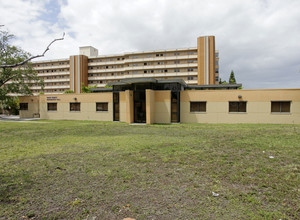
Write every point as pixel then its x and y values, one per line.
pixel 101 106
pixel 198 107
pixel 283 106
pixel 176 54
pixel 237 106
pixel 52 106
pixel 75 107
pixel 176 61
pixel 24 106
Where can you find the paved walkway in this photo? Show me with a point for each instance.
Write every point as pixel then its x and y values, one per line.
pixel 16 118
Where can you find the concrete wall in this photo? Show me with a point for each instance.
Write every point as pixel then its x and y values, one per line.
pixel 258 106
pixel 158 106
pixel 129 106
pixel 162 107
pixel 87 106
pixel 150 106
pixel 33 106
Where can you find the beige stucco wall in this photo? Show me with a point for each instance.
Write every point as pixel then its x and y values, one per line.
pixel 129 106
pixel 258 106
pixel 150 103
pixel 87 107
pixel 159 106
pixel 33 106
pixel 162 108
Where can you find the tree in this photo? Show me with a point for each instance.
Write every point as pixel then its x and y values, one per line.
pixel 68 91
pixel 87 89
pixel 222 82
pixel 16 72
pixel 232 78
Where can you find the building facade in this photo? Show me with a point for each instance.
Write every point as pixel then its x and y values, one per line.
pixel 165 86
pixel 196 66
pixel 168 101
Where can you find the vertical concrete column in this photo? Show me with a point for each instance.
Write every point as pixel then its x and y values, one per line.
pixel 206 60
pixel 212 60
pixel 150 102
pixel 78 72
pixel 129 106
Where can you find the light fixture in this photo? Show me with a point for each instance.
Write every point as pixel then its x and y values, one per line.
pixel 240 96
pixel 75 99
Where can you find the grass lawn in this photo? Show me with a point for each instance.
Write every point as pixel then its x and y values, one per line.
pixel 82 169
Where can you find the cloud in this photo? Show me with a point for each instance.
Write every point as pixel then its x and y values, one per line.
pixel 258 39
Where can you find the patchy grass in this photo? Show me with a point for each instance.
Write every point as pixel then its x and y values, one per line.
pixel 76 169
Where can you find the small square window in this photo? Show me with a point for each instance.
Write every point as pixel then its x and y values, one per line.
pixel 101 106
pixel 237 106
pixel 198 107
pixel 75 107
pixel 24 106
pixel 52 106
pixel 281 107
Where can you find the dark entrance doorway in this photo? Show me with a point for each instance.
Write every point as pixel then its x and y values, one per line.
pixel 139 106
pixel 175 106
pixel 116 107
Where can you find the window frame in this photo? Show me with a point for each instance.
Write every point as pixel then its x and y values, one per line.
pixel 23 103
pixel 280 107
pixel 78 103
pixel 198 110
pixel 50 104
pixel 102 103
pixel 238 107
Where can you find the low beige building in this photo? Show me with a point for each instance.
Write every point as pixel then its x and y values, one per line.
pixel 168 101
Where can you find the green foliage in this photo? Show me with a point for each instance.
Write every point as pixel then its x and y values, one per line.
pixel 20 78
pixel 68 91
pixel 10 105
pixel 87 89
pixel 232 78
pixel 222 82
pixel 107 86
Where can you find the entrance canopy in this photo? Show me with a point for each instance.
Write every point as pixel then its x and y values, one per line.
pixel 138 84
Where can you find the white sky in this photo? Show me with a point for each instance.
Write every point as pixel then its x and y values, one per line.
pixel 258 39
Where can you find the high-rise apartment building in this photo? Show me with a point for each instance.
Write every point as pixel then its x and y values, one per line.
pixel 196 66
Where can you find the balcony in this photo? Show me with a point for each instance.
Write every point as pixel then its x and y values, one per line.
pixel 57 80
pixel 118 77
pixel 54 74
pixel 161 58
pixel 51 67
pixel 145 67
pixel 52 87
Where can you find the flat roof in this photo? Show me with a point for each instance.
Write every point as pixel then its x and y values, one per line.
pixel 146 80
pixel 222 86
pixel 101 89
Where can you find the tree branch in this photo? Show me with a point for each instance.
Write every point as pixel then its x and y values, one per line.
pixel 33 57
